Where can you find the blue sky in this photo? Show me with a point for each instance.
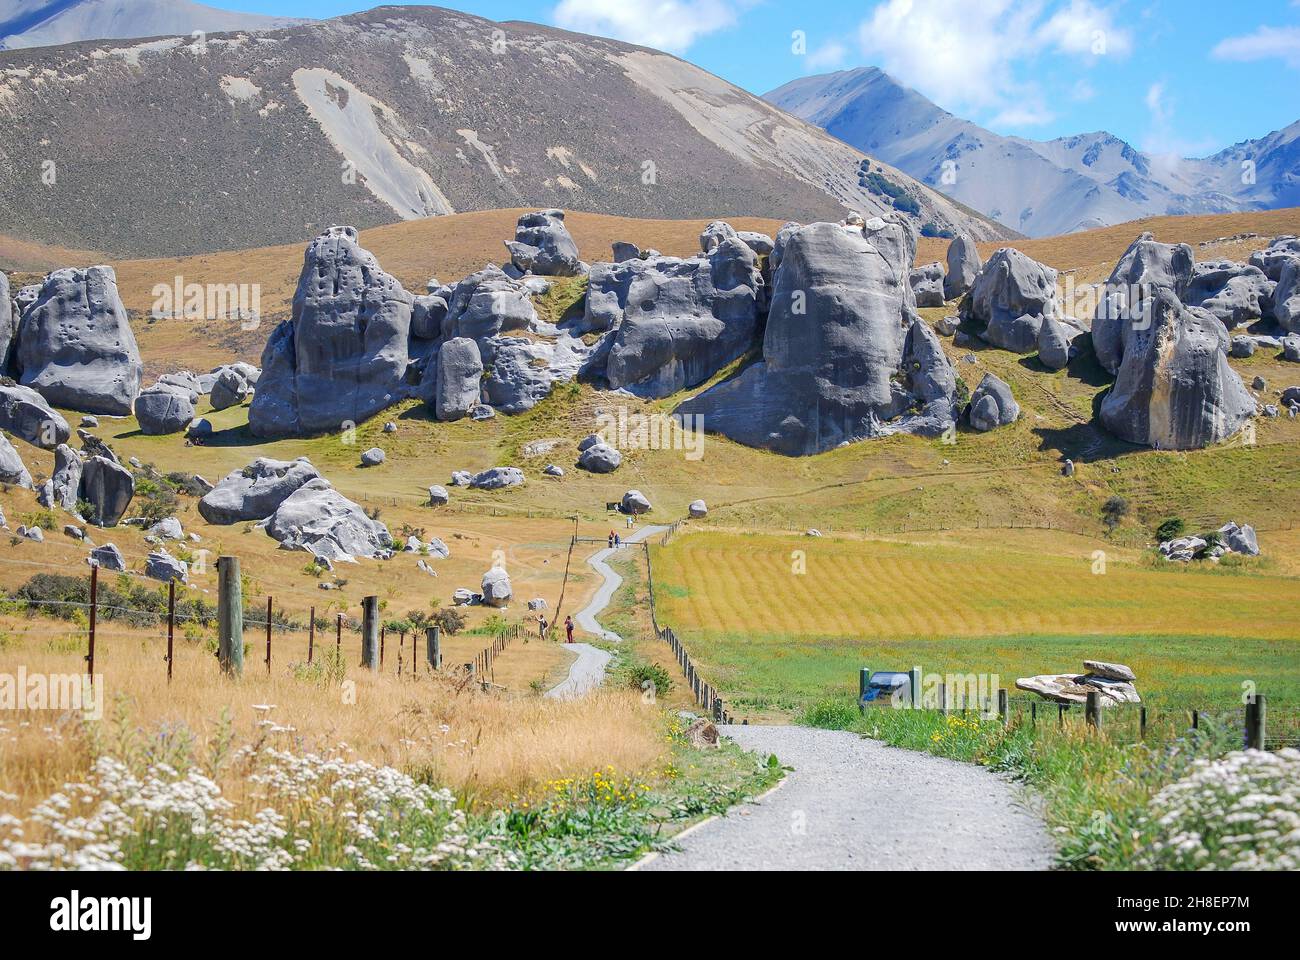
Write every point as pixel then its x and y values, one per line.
pixel 1170 76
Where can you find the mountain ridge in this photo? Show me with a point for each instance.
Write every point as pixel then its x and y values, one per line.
pixel 37 23
pixel 1041 188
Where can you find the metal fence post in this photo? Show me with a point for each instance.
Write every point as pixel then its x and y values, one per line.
pixel 1004 706
pixel 171 625
pixel 269 613
pixel 1256 714
pixel 94 604
pixel 311 636
pixel 433 647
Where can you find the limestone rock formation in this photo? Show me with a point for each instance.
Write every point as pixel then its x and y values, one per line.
pixel 992 405
pixel 496 587
pixel 964 265
pixel 1235 293
pixel 1010 297
pixel 600 457
pixel 543 246
pixel 834 346
pixel 12 468
pixel 254 492
pixel 342 356
pixel 320 520
pixel 108 487
pixel 163 409
pixel 1175 389
pixel 25 414
pixel 927 285
pixel 75 345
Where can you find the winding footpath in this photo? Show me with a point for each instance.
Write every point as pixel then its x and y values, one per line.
pixel 588 671
pixel 856 804
pixel 847 803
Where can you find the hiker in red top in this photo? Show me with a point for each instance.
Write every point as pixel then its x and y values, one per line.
pixel 568 629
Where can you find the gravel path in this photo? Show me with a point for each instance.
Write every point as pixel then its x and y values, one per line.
pixel 588 671
pixel 856 804
pixel 586 617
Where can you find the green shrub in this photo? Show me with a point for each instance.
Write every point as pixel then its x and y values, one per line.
pixel 639 674
pixel 450 620
pixel 831 715
pixel 1170 529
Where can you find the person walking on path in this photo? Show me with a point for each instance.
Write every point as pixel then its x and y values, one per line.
pixel 617 543
pixel 631 522
pixel 568 629
pixel 611 539
pixel 542 625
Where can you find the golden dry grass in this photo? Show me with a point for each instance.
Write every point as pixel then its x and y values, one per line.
pixel 492 746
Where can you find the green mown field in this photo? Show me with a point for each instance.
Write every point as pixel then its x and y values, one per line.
pixel 780 622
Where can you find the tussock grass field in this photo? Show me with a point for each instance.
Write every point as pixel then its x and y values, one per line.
pixel 776 639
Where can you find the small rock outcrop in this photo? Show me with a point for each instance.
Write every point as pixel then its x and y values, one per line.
pixel 1113 682
pixel 1235 293
pixel 163 409
pixel 635 503
pixel 373 457
pixel 497 478
pixel 161 565
pixel 459 379
pixel 12 468
pixel 698 509
pixel 600 458
pixel 109 558
pixel 992 405
pixel 66 481
pixel 496 587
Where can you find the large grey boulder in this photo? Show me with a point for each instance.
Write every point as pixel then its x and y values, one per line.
pixel 525 371
pixel 636 503
pixel 320 520
pixel 75 345
pixel 1146 266
pixel 162 409
pixel 543 246
pixel 229 389
pixel 12 469
pixel 1057 342
pixel 992 405
pixel 1272 260
pixel 715 234
pixel 25 414
pixel 67 476
pixel 964 265
pixel 108 488
pixel 1291 348
pixel 457 376
pixel 680 321
pixel 161 565
pixel 496 587
pixel 427 315
pixel 186 381
pixel 342 356
pixel 600 458
pixel 1175 389
pixel 108 557
pixel 255 491
pixel 1240 539
pixel 1286 296
pixel 927 285
pixel 373 457
pixel 438 496
pixel 487 304
pixel 1010 297
pixel 497 478
pixel 8 328
pixel 1235 293
pixel 834 366
pixel 698 509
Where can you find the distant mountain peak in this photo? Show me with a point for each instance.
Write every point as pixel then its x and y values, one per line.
pixel 1058 186
pixel 39 23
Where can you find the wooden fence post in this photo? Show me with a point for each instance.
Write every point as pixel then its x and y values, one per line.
pixel 864 684
pixel 1004 706
pixel 1256 715
pixel 311 635
pixel 943 698
pixel 171 625
pixel 230 617
pixel 94 605
pixel 1142 722
pixel 370 633
pixel 269 614
pixel 338 636
pixel 433 647
pixel 1092 710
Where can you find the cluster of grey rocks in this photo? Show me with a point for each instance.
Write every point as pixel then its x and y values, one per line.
pixel 1231 538
pixel 1114 682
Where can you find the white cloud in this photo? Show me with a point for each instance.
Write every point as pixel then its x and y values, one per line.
pixel 966 55
pixel 1266 43
pixel 671 25
pixel 826 57
pixel 1161 141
